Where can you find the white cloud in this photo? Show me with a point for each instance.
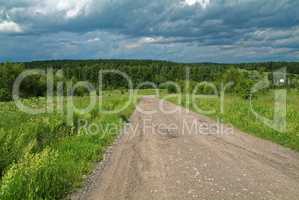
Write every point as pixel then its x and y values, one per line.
pixel 141 42
pixel 69 9
pixel 74 8
pixel 96 39
pixel 203 3
pixel 10 27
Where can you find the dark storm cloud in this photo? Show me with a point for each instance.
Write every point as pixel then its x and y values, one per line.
pixel 215 30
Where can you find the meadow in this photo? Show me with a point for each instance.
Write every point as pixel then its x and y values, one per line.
pixel 43 156
pixel 237 111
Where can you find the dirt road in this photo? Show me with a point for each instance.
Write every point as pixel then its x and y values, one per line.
pixel 186 156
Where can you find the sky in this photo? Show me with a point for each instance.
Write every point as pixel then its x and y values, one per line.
pixel 227 31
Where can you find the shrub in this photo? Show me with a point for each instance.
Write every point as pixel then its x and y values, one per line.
pixel 4 94
pixel 242 80
pixel 172 89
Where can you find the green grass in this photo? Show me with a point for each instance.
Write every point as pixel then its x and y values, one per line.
pixel 237 112
pixel 43 157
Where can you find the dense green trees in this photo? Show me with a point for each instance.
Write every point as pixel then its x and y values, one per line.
pixel 242 80
pixel 8 74
pixel 242 75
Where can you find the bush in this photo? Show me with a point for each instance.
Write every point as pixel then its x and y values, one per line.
pixel 81 91
pixel 242 80
pixel 172 89
pixel 205 89
pixel 8 74
pixel 4 94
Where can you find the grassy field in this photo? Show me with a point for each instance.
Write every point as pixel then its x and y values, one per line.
pixel 237 112
pixel 43 156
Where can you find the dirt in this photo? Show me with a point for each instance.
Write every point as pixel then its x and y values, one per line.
pixel 160 156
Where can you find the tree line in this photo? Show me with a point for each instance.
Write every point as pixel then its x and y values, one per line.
pixel 140 71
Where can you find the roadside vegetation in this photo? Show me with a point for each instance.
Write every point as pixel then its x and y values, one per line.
pixel 42 157
pixel 239 102
pixel 237 111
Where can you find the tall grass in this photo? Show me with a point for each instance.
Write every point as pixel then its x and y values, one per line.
pixel 42 157
pixel 237 111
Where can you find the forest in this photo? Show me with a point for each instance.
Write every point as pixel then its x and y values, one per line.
pixel 139 71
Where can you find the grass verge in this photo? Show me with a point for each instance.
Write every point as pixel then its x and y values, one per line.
pixel 237 111
pixel 44 158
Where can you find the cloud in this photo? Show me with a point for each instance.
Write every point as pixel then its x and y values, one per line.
pixel 10 27
pixel 203 3
pixel 68 9
pixel 218 30
pixel 142 41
